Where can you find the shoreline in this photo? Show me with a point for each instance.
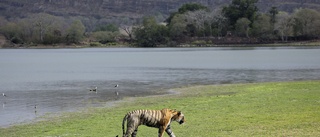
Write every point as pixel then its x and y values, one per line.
pixel 182 45
pixel 109 103
pixel 236 108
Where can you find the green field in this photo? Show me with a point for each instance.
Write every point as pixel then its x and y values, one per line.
pixel 239 110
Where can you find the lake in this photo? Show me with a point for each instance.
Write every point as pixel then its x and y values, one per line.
pixel 59 80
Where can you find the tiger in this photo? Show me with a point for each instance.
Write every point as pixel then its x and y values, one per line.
pixel 152 118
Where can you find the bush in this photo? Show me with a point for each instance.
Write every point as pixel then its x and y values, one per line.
pixel 95 44
pixel 105 36
pixel 151 34
pixel 199 42
pixel 16 40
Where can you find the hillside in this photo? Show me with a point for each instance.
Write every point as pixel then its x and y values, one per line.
pixel 95 8
pixel 126 8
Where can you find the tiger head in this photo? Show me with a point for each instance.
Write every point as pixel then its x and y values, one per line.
pixel 178 116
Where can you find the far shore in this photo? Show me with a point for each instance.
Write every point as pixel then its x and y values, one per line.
pixel 182 45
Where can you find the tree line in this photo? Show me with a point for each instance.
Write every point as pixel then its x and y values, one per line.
pixel 240 19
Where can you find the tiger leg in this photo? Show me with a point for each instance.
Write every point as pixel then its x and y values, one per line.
pixel 163 128
pixel 132 126
pixel 169 131
pixel 161 131
pixel 134 134
pixel 129 133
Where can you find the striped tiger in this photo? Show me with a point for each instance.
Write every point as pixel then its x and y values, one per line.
pixel 152 118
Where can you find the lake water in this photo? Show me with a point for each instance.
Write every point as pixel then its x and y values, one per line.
pixel 59 80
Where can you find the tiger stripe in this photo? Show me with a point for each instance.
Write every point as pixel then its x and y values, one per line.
pixel 160 119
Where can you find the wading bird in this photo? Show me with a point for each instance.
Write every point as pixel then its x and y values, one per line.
pixel 4 95
pixel 94 89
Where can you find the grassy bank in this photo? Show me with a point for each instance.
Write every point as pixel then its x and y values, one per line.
pixel 263 109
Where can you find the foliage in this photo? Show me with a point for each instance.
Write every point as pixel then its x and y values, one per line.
pixel 242 27
pixel 12 31
pixel 198 19
pixel 284 25
pixel 273 12
pixel 199 42
pixel 105 36
pixel 306 22
pixel 242 110
pixel 262 27
pixel 238 19
pixel 151 34
pixel 188 7
pixel 219 23
pixel 191 7
pixel 95 44
pixel 240 9
pixel 37 28
pixel 75 32
pixel 177 27
pixel 107 27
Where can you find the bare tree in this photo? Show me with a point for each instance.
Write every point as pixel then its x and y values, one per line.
pixel 284 25
pixel 219 21
pixel 127 30
pixel 42 22
pixel 127 26
pixel 197 18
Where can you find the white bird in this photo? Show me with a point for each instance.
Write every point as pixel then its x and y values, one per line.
pixel 116 86
pixel 4 95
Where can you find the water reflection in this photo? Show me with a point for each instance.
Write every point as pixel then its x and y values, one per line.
pixel 4 105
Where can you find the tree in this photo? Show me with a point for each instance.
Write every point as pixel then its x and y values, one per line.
pixel 177 27
pixel 151 34
pixel 306 23
pixel 75 32
pixel 127 26
pixel 128 30
pixel 36 28
pixel 42 22
pixel 262 27
pixel 105 36
pixel 240 9
pixel 12 31
pixel 273 13
pixel 242 27
pixel 191 7
pixel 219 23
pixel 198 19
pixel 186 8
pixel 284 25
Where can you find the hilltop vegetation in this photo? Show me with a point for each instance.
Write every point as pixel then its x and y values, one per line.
pixel 106 23
pixel 128 8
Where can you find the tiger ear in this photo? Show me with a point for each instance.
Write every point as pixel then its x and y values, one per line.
pixel 179 113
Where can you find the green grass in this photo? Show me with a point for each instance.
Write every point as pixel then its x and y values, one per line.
pixel 240 110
